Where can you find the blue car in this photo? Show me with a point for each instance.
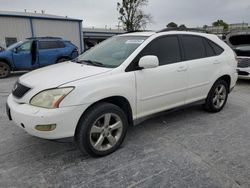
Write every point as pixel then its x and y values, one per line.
pixel 34 53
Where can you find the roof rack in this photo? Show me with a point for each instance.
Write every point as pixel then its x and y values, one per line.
pixel 138 31
pixel 183 29
pixel 30 38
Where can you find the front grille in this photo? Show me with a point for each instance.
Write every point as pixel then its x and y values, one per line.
pixel 20 90
pixel 243 62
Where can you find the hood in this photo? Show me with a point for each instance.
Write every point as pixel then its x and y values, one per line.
pixel 56 75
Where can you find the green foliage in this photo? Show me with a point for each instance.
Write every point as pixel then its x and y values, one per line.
pixel 131 15
pixel 221 23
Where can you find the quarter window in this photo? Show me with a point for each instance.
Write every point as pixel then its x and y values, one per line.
pixel 210 51
pixel 193 47
pixel 165 48
pixel 217 49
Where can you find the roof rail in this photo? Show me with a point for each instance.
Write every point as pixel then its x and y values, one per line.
pixel 138 31
pixel 182 29
pixel 30 38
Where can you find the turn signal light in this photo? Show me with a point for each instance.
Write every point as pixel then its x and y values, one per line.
pixel 49 127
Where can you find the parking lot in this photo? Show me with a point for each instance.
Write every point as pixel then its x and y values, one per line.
pixel 182 148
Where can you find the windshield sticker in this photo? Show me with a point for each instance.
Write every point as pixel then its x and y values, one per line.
pixel 134 41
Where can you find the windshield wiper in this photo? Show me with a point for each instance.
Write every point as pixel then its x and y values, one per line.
pixel 90 62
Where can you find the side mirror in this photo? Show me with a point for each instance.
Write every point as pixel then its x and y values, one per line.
pixel 15 50
pixel 149 61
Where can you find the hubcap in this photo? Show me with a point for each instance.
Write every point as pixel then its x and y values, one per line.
pixel 106 131
pixel 220 95
pixel 3 70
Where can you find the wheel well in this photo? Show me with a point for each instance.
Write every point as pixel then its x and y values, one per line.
pixel 7 62
pixel 63 57
pixel 227 79
pixel 122 102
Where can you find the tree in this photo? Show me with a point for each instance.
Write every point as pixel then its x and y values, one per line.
pixel 131 15
pixel 172 25
pixel 182 26
pixel 221 23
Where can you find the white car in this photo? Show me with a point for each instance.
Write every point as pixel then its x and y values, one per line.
pixel 243 56
pixel 120 81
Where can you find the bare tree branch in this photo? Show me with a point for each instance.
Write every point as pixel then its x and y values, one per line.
pixel 131 15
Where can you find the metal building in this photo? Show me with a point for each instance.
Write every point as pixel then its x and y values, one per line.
pixel 17 26
pixel 93 36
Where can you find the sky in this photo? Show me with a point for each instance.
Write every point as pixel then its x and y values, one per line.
pixel 101 13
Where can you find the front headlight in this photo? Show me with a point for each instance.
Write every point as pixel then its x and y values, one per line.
pixel 50 98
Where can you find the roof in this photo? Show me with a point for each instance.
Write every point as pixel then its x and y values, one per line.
pixel 36 16
pixel 146 34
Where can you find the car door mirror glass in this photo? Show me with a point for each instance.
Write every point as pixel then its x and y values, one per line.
pixel 149 61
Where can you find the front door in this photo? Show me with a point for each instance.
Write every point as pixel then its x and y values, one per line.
pixel 163 87
pixel 22 56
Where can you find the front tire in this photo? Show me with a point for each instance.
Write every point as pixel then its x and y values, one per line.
pixel 4 70
pixel 217 97
pixel 101 130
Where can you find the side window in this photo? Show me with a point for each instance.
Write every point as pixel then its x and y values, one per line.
pixel 60 44
pixel 193 47
pixel 26 46
pixel 217 49
pixel 210 51
pixel 165 48
pixel 51 44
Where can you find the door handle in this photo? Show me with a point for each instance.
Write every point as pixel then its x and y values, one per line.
pixel 216 62
pixel 181 69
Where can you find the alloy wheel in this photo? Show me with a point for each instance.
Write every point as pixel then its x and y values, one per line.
pixel 4 70
pixel 106 131
pixel 220 95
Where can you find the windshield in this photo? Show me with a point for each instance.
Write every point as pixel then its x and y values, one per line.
pixel 14 45
pixel 112 52
pixel 242 50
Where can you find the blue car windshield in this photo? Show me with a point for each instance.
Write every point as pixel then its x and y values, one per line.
pixel 112 52
pixel 14 45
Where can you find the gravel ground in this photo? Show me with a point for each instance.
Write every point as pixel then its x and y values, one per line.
pixel 183 148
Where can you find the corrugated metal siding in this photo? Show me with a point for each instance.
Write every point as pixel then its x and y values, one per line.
pixel 14 27
pixel 55 28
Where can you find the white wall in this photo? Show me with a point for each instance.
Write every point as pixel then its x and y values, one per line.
pixel 14 27
pixel 55 28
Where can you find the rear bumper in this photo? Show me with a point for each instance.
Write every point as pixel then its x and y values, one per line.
pixel 28 117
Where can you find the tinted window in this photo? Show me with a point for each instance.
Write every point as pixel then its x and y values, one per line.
pixel 210 51
pixel 217 49
pixel 165 48
pixel 51 44
pixel 193 47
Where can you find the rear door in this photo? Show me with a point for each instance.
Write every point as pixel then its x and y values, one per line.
pixel 49 51
pixel 163 87
pixel 202 62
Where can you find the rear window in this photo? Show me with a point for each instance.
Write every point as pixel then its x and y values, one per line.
pixel 51 44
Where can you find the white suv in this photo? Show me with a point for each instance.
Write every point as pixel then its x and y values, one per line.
pixel 121 80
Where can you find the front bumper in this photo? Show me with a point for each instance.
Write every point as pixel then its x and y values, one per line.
pixel 27 117
pixel 244 73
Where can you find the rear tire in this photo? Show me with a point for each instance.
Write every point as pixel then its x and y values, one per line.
pixel 61 60
pixel 217 97
pixel 101 130
pixel 4 70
